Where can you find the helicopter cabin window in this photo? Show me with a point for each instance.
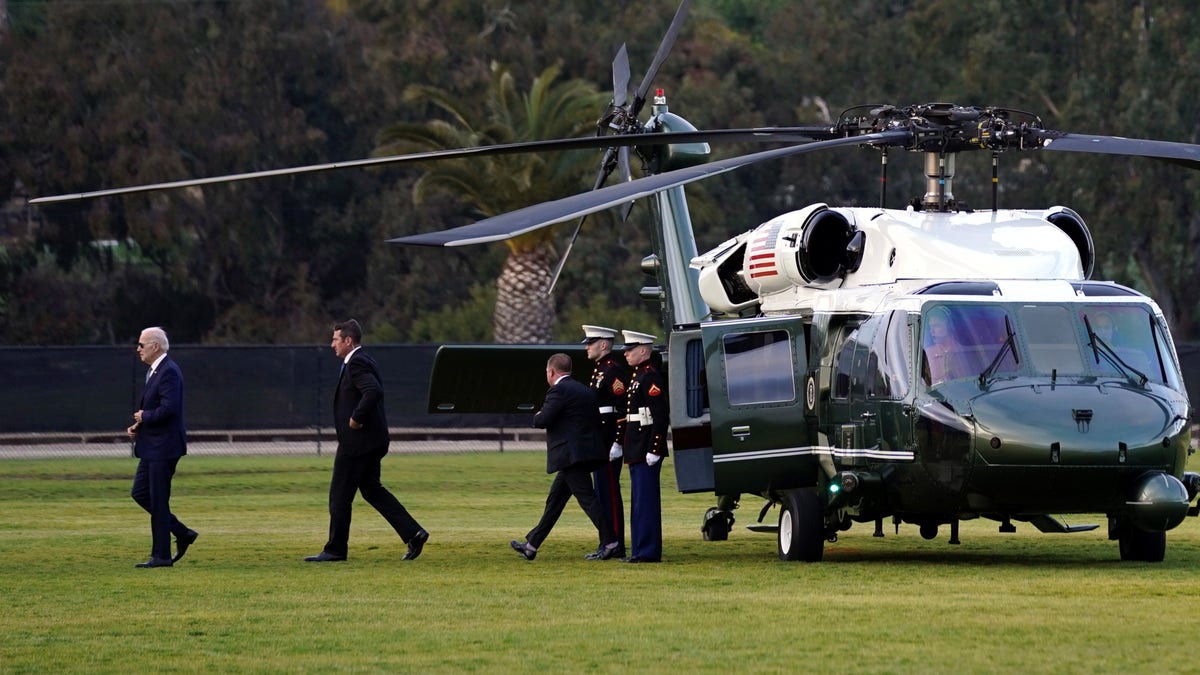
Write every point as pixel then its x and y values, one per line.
pixel 1125 338
pixel 964 340
pixel 1051 340
pixel 759 367
pixel 697 384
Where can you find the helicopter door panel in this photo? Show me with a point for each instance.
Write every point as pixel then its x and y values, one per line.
pixel 871 376
pixel 760 439
pixel 495 379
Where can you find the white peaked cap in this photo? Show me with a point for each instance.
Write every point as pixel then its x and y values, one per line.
pixel 598 333
pixel 636 338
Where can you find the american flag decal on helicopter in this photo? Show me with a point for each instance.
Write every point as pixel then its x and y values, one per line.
pixel 762 252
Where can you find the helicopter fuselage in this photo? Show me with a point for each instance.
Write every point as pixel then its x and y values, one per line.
pixel 931 367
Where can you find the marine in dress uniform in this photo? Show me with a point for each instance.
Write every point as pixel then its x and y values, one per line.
pixel 610 381
pixel 644 442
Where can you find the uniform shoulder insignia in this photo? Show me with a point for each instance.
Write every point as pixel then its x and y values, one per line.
pixel 618 387
pixel 653 390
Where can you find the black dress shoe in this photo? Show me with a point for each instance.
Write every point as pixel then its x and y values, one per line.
pixel 526 550
pixel 182 544
pixel 325 556
pixel 608 551
pixel 416 544
pixel 155 562
pixel 639 559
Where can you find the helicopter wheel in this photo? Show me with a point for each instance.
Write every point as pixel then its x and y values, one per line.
pixel 717 524
pixel 1139 545
pixel 801 526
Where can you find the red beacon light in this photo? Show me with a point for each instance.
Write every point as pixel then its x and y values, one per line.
pixel 660 97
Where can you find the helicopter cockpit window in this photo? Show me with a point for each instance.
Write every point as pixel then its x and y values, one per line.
pixel 1128 338
pixel 1051 340
pixel 963 340
pixel 759 367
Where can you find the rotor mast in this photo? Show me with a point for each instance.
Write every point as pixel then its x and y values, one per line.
pixel 939 181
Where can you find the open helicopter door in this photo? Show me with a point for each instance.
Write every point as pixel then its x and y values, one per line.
pixel 761 440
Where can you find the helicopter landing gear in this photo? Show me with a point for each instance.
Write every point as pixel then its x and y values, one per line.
pixel 801 526
pixel 717 524
pixel 1139 545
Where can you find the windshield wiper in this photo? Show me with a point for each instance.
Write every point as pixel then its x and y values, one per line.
pixel 1010 344
pixel 1102 348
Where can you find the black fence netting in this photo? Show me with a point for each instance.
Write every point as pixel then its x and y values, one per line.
pixel 65 395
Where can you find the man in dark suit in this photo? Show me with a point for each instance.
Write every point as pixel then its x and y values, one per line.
pixel 159 440
pixel 571 420
pixel 363 439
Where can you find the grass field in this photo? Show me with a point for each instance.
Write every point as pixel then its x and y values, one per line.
pixel 243 600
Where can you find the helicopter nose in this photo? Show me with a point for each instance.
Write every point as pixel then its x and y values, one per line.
pixel 1077 425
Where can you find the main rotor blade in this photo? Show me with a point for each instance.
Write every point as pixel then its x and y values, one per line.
pixel 1185 154
pixel 761 135
pixel 512 224
pixel 664 48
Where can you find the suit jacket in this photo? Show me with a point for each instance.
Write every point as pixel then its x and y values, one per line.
pixel 359 394
pixel 572 422
pixel 162 433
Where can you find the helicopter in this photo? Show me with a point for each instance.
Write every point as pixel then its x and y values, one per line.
pixel 927 364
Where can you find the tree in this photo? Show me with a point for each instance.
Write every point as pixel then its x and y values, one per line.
pixel 120 94
pixel 493 185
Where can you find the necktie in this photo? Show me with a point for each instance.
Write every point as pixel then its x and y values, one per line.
pixel 148 374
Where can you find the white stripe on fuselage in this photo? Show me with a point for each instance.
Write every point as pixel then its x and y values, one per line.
pixel 871 453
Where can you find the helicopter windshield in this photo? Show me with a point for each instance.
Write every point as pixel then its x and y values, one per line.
pixel 965 341
pixel 1127 341
pixel 1047 340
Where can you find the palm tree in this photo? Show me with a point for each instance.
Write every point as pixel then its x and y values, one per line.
pixel 493 185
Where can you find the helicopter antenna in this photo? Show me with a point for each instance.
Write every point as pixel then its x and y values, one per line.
pixel 995 180
pixel 883 164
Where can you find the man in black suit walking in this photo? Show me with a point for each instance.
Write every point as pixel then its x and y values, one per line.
pixel 571 420
pixel 362 434
pixel 159 440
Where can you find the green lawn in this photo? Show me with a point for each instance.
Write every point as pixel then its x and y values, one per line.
pixel 243 600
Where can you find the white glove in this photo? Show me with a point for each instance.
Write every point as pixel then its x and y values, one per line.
pixel 616 452
pixel 652 458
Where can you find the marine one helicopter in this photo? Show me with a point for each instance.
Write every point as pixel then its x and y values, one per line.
pixel 927 364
